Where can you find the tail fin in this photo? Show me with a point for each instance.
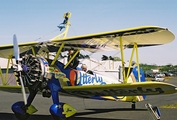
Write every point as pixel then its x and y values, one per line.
pixel 135 73
pixel 133 77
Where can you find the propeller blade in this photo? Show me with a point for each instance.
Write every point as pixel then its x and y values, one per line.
pixel 16 48
pixel 19 69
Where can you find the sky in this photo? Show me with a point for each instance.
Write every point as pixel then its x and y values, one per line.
pixel 37 20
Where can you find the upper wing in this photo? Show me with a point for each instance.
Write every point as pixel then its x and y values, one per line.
pixel 143 36
pixel 129 89
pixel 7 50
pixel 106 41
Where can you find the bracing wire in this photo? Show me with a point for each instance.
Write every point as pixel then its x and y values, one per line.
pixel 46 35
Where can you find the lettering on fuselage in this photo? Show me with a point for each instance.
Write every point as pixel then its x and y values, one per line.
pixel 86 79
pixel 124 92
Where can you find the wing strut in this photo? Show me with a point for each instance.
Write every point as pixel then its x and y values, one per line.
pixel 58 53
pixel 130 63
pixel 125 76
pixel 4 80
pixel 137 61
pixel 33 51
pixel 7 71
pixel 135 48
pixel 78 50
pixel 122 56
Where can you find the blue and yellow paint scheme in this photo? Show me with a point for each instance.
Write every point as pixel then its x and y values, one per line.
pixel 58 78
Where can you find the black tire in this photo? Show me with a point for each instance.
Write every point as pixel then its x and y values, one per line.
pixel 58 118
pixel 133 106
pixel 21 116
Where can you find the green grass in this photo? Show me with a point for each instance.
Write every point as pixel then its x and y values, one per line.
pixel 149 79
pixel 169 106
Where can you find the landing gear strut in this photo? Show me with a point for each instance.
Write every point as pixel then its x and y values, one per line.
pixel 133 106
pixel 19 111
pixel 59 110
pixel 22 111
pixel 37 77
pixel 34 75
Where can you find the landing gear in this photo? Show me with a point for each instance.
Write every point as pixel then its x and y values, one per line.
pixel 62 111
pixel 58 118
pixel 34 75
pixel 20 111
pixel 59 110
pixel 22 116
pixel 133 106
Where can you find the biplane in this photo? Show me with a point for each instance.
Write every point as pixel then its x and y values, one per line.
pixel 37 72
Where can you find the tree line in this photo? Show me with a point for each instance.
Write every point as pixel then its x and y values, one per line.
pixel 146 67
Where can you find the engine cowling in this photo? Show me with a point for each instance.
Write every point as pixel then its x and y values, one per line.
pixel 34 70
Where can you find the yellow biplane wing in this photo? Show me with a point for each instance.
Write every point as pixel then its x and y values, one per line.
pixel 128 89
pixel 11 89
pixel 142 36
pixel 106 41
pixel 7 50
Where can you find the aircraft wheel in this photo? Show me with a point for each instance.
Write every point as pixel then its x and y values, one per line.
pixel 133 106
pixel 58 118
pixel 22 116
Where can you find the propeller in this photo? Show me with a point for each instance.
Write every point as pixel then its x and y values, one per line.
pixel 19 68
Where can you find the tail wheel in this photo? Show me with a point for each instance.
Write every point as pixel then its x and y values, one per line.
pixel 133 106
pixel 22 116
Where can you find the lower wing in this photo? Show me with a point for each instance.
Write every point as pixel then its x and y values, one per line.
pixel 129 89
pixel 12 89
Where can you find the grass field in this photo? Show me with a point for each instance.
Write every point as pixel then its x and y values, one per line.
pixel 170 106
pixel 149 79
